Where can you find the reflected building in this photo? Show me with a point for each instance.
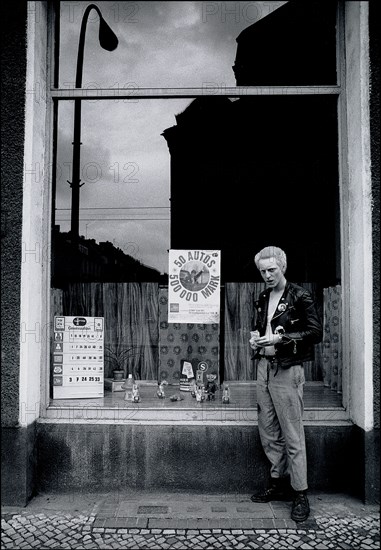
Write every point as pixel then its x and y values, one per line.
pixel 295 45
pixel 260 170
pixel 89 261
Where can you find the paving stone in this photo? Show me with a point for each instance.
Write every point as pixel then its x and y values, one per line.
pixel 329 530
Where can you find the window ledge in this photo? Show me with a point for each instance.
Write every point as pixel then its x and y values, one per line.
pixel 322 406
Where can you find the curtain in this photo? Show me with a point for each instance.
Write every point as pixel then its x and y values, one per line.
pixel 239 311
pixel 331 347
pixel 131 314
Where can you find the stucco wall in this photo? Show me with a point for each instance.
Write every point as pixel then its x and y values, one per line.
pixel 374 52
pixel 13 75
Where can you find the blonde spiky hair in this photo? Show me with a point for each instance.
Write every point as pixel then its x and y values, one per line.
pixel 272 252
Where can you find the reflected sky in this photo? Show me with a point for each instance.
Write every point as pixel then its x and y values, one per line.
pixel 173 44
pixel 125 162
pixel 125 168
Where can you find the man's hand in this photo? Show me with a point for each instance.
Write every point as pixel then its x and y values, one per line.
pixel 254 335
pixel 264 341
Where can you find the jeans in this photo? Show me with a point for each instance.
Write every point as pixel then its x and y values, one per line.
pixel 280 421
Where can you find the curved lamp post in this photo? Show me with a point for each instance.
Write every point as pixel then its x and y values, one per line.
pixel 108 41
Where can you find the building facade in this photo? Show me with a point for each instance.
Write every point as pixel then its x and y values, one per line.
pixel 50 446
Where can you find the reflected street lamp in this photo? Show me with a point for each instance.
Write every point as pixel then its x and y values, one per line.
pixel 109 42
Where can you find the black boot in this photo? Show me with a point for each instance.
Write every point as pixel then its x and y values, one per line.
pixel 279 489
pixel 300 507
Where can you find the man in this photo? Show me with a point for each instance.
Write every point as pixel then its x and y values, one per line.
pixel 287 328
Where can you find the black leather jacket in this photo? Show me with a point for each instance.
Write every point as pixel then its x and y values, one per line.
pixel 297 315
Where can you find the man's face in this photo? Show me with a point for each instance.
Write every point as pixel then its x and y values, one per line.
pixel 270 271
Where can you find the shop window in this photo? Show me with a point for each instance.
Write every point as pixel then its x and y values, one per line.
pixel 196 153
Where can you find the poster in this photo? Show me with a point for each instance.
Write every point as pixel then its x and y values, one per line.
pixel 194 286
pixel 78 357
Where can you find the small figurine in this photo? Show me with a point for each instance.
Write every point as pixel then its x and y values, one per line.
pixel 160 391
pixel 176 397
pixel 193 388
pixel 128 386
pixel 198 394
pixel 135 393
pixel 226 395
pixel 211 386
pixel 203 393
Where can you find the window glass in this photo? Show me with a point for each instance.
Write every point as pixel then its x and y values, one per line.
pixel 207 173
pixel 124 213
pixel 256 171
pixel 216 172
pixel 197 44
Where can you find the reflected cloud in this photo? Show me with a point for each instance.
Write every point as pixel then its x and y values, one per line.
pixel 125 161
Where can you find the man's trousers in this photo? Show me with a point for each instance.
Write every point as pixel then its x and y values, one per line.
pixel 280 420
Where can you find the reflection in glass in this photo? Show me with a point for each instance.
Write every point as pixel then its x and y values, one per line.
pixel 294 45
pixel 258 171
pixel 202 44
pixel 124 217
pixel 239 174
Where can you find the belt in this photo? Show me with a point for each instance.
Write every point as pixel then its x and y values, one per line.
pixel 270 358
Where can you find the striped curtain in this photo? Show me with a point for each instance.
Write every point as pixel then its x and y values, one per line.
pixel 331 348
pixel 239 311
pixel 131 314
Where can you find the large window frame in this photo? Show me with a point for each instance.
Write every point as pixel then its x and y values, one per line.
pixel 40 395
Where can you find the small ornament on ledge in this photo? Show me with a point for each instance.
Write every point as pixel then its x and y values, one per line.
pixel 176 397
pixel 226 395
pixel 211 386
pixel 160 390
pixel 135 393
pixel 193 387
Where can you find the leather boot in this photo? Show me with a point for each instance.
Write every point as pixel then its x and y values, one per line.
pixel 279 489
pixel 300 507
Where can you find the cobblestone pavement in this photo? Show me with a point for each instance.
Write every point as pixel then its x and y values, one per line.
pixel 187 522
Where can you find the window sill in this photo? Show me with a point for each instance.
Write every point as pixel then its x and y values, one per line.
pixel 322 406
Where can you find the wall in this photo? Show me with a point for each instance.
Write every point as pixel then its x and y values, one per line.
pixel 35 267
pixel 228 458
pixel 13 67
pixel 372 448
pixel 357 211
pixel 23 153
pixel 374 52
pixel 362 63
pixel 14 440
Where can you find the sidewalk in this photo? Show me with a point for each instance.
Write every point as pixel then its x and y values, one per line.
pixel 187 521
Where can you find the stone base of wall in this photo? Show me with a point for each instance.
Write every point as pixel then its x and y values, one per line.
pixel 18 465
pixel 186 458
pixel 202 459
pixel 366 453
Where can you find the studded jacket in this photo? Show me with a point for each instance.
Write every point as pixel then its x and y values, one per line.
pixel 296 319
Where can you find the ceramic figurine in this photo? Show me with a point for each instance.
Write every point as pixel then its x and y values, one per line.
pixel 193 388
pixel 226 395
pixel 198 394
pixel 135 393
pixel 160 391
pixel 211 386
